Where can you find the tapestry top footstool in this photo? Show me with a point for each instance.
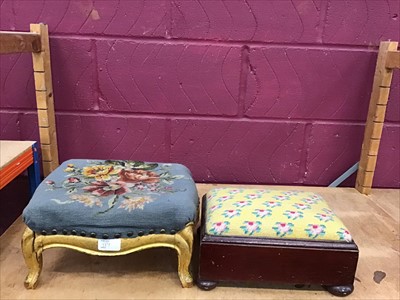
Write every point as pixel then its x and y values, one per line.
pixel 275 236
pixel 113 199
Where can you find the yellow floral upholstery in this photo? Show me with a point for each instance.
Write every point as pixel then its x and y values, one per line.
pixel 272 214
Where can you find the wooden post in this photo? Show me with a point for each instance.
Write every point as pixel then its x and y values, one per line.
pixel 44 100
pixel 375 118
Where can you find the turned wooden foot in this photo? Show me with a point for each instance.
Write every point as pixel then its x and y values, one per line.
pixel 206 285
pixel 340 290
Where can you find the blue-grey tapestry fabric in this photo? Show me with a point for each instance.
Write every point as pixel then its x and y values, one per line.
pixel 113 198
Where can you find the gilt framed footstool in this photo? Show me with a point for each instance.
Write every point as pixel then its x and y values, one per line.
pixel 111 208
pixel 274 236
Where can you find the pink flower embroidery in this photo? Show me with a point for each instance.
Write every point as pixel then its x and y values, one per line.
pixel 328 211
pixel 103 188
pixel 73 180
pixel 219 227
pixel 281 229
pixel 291 193
pixel 261 213
pixel 309 200
pixel 235 191
pixel 272 203
pixel 315 230
pixel 293 214
pixel 230 213
pixel 250 227
pixel 281 197
pixel 302 206
pixel 215 207
pixel 142 176
pixel 242 203
pixel 252 196
pixel 324 217
pixel 344 234
pixel 224 198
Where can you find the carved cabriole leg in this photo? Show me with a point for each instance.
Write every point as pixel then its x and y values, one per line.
pixel 184 243
pixel 33 258
pixel 33 245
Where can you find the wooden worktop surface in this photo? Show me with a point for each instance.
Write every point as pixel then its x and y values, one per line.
pixel 12 149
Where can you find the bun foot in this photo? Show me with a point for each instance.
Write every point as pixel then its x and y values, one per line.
pixel 206 285
pixel 340 290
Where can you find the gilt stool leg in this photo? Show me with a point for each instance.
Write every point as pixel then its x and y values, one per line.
pixel 184 240
pixel 33 258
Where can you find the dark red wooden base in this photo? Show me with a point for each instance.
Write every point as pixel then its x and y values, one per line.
pixel 235 259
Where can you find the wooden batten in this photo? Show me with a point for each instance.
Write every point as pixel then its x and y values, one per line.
pixel 44 99
pixel 41 99
pixel 376 132
pixel 370 162
pixel 379 113
pixel 393 60
pixel 17 42
pixel 387 58
pixel 40 81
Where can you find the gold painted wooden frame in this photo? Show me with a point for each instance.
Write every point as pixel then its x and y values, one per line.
pixel 33 244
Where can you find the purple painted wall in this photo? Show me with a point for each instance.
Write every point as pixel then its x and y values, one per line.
pixel 239 91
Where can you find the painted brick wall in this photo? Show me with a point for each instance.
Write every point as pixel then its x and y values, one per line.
pixel 239 91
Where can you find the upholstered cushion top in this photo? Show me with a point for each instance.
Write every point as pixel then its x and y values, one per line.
pixel 107 199
pixel 265 213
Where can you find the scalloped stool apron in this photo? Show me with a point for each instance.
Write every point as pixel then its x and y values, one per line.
pixel 137 205
pixel 275 236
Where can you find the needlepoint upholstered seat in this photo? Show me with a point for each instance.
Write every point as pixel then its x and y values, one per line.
pixel 142 204
pixel 281 236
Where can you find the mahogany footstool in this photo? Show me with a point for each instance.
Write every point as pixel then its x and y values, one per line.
pixel 274 236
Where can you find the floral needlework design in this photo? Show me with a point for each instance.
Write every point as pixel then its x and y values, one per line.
pixel 328 211
pixel 129 185
pixel 282 229
pixel 230 213
pixel 250 227
pixel 281 197
pixel 87 200
pixel 215 207
pixel 272 204
pixel 130 204
pixel 344 234
pixel 262 213
pixel 242 203
pixel 219 227
pixel 104 189
pixel 309 201
pixel 293 214
pixel 291 193
pixel 235 191
pixel 324 217
pixel 100 172
pixel 224 198
pixel 302 206
pixel 253 196
pixel 315 230
pixel 262 191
